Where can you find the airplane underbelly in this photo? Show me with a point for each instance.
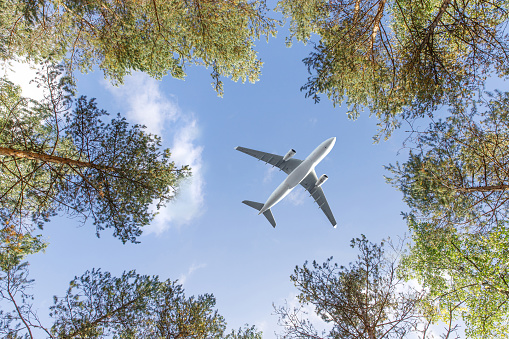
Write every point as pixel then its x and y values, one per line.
pixel 298 175
pixel 278 194
pixel 292 180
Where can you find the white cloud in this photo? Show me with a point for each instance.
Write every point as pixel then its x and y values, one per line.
pixel 146 104
pixel 184 276
pixel 22 74
pixel 269 174
pixel 297 197
pixel 189 201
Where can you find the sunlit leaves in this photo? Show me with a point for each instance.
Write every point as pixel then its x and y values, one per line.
pixel 152 36
pixel 459 170
pixel 15 245
pixel 399 59
pixel 456 184
pixel 466 276
pixel 99 305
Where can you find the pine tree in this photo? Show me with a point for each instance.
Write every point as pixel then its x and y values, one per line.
pixel 60 156
pixel 153 36
pixel 400 59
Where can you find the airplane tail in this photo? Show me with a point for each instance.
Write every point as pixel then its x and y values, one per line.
pixel 258 206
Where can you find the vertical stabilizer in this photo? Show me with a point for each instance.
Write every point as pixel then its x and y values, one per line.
pixel 258 206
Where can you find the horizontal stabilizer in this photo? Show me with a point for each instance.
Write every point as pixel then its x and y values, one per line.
pixel 258 206
pixel 270 217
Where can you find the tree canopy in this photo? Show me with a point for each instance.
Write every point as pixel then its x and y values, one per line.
pixel 455 183
pixel 457 172
pixel 367 299
pixel 99 305
pixel 400 59
pixel 466 275
pixel 60 156
pixel 155 37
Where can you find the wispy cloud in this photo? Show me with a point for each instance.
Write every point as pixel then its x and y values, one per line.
pixel 194 267
pixel 146 104
pixel 263 326
pixel 269 174
pixel 297 196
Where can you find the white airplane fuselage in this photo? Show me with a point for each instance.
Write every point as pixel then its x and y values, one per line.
pixel 299 173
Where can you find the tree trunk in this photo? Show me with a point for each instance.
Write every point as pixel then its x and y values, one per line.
pixel 356 10
pixel 434 24
pixel 376 24
pixel 494 188
pixel 51 158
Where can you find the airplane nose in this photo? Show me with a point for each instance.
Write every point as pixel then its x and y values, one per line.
pixel 332 141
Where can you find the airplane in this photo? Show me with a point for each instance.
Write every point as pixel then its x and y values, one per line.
pixel 299 172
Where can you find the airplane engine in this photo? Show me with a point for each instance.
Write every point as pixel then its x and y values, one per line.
pixel 290 154
pixel 321 180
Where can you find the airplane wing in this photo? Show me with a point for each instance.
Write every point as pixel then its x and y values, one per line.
pixel 317 193
pixel 273 159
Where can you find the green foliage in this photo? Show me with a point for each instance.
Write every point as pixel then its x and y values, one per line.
pixel 455 183
pixel 245 333
pixel 26 125
pixel 16 314
pixel 364 300
pixel 14 283
pixel 63 158
pixel 15 245
pixel 399 59
pixel 14 291
pixel 152 36
pixel 466 276
pixel 98 305
pixel 458 172
pixel 21 37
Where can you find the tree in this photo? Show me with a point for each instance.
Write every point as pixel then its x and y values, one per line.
pixel 365 300
pixel 14 282
pixel 56 158
pixel 399 59
pixel 455 183
pixel 17 317
pixel 457 174
pixel 98 305
pixel 156 37
pixel 466 275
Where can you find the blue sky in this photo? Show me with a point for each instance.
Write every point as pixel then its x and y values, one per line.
pixel 208 239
